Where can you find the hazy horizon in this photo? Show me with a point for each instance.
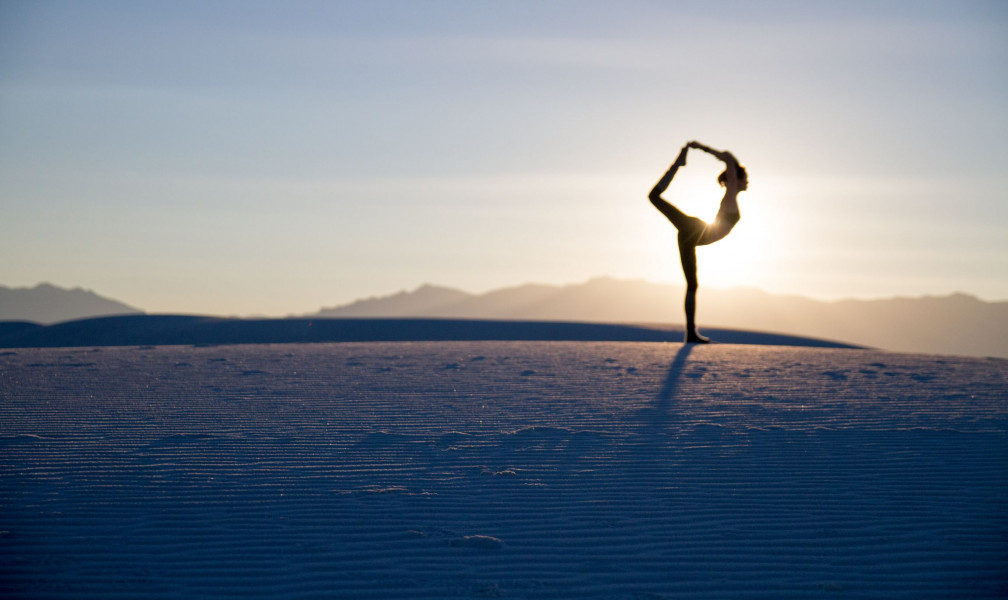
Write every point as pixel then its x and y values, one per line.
pixel 254 158
pixel 675 309
pixel 674 313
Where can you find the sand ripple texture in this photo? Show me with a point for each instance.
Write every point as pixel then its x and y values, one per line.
pixel 501 469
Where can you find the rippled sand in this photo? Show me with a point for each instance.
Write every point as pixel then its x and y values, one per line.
pixel 510 469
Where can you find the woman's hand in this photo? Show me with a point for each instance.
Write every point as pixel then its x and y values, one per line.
pixel 725 156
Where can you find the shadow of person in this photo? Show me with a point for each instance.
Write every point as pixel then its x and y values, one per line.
pixel 654 449
pixel 659 417
pixel 674 375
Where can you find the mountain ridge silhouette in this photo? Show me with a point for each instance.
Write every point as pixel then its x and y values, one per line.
pixel 957 323
pixel 48 303
pixel 952 324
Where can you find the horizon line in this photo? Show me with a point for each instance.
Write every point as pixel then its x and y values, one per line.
pixel 584 282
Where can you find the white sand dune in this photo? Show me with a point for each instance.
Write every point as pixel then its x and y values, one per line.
pixel 501 469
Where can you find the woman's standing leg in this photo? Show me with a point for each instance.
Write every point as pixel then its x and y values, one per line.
pixel 687 254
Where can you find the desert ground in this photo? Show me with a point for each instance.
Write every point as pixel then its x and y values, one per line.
pixel 513 469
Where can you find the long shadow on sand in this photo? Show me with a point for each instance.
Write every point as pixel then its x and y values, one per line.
pixel 674 376
pixel 658 417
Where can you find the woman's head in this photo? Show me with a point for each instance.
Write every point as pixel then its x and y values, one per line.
pixel 740 174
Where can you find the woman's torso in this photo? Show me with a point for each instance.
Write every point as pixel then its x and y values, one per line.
pixel 727 217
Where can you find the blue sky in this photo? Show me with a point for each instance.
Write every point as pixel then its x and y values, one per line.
pixel 272 158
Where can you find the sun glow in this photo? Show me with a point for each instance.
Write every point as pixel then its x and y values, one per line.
pixel 749 256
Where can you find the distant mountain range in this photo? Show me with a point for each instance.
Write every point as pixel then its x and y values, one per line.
pixel 46 303
pixel 954 324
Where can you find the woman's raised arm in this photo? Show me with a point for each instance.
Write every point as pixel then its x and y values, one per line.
pixel 731 164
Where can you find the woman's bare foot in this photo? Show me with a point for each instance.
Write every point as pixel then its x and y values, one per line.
pixel 693 337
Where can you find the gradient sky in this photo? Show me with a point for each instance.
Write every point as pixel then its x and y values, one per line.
pixel 238 157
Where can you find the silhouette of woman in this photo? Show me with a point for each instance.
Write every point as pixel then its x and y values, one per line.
pixel 692 231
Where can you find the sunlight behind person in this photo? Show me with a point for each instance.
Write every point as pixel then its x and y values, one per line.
pixel 751 252
pixel 746 257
